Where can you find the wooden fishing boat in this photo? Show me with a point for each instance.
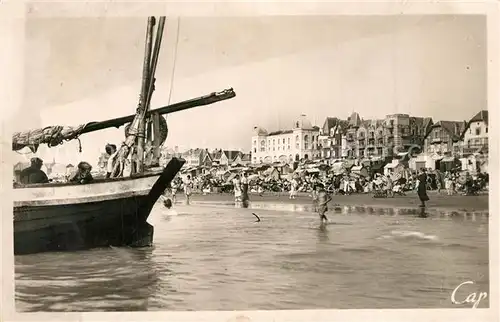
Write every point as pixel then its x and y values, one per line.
pixel 103 212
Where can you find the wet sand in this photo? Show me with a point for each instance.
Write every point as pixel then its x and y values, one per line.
pixel 437 201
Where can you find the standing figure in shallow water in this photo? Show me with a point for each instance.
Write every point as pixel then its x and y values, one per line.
pixel 322 203
pixel 237 189
pixel 422 189
pixel 188 188
pixel 244 190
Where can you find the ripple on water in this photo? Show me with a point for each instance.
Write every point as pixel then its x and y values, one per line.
pixel 219 258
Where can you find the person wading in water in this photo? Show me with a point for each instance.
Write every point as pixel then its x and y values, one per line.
pixel 188 188
pixel 322 203
pixel 244 190
pixel 422 190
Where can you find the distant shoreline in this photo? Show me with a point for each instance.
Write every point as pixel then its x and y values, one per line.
pixel 437 201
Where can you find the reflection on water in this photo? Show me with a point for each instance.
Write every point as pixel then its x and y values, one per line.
pixel 219 258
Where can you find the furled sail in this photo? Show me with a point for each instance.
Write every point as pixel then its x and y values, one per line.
pixel 50 135
pixel 57 134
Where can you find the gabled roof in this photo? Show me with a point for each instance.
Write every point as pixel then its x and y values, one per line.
pixel 454 128
pixel 331 122
pixel 354 120
pixel 482 116
pixel 231 154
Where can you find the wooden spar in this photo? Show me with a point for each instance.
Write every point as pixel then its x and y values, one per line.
pixel 153 120
pixel 149 92
pixel 134 131
pixel 156 53
pixel 147 75
pixel 176 107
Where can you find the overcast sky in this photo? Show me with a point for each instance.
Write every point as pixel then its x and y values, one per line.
pixel 89 69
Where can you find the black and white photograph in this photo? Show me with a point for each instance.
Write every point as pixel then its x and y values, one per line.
pixel 252 163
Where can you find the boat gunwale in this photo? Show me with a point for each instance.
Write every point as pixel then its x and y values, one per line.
pixel 95 181
pixel 61 202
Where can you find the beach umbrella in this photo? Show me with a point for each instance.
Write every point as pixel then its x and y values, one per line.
pixel 253 177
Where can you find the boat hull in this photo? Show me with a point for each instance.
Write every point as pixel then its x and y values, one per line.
pixel 75 217
pixel 79 226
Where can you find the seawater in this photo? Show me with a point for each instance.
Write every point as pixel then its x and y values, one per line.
pixel 217 257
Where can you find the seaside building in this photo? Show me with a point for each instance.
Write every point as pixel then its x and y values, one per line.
pixel 363 138
pixel 224 158
pixel 444 138
pixel 300 142
pixel 330 138
pixel 475 135
pixel 193 157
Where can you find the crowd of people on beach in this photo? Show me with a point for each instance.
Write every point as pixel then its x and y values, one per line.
pixel 451 183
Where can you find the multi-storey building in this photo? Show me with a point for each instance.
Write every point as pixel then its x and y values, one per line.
pixel 330 138
pixel 444 138
pixel 419 127
pixel 371 139
pixel 363 138
pixel 193 157
pixel 381 138
pixel 349 141
pixel 403 131
pixel 300 142
pixel 475 135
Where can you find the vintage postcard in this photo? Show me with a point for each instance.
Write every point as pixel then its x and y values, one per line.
pixel 248 162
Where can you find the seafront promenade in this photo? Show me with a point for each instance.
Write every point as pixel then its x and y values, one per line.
pixel 437 200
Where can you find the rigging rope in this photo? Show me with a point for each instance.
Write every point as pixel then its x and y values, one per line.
pixel 175 60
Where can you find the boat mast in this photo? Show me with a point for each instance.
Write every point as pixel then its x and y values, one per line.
pixel 151 88
pixel 143 106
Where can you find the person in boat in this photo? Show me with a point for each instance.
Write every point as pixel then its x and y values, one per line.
pixel 34 173
pixel 422 187
pixel 244 189
pixel 188 188
pixel 322 203
pixel 112 151
pixel 82 174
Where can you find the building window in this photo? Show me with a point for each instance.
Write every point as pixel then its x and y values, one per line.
pixel 283 140
pixel 289 147
pixel 306 142
pixel 436 134
pixel 478 131
pixel 288 140
pixel 486 130
pixel 297 142
pixel 254 150
pixel 274 141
